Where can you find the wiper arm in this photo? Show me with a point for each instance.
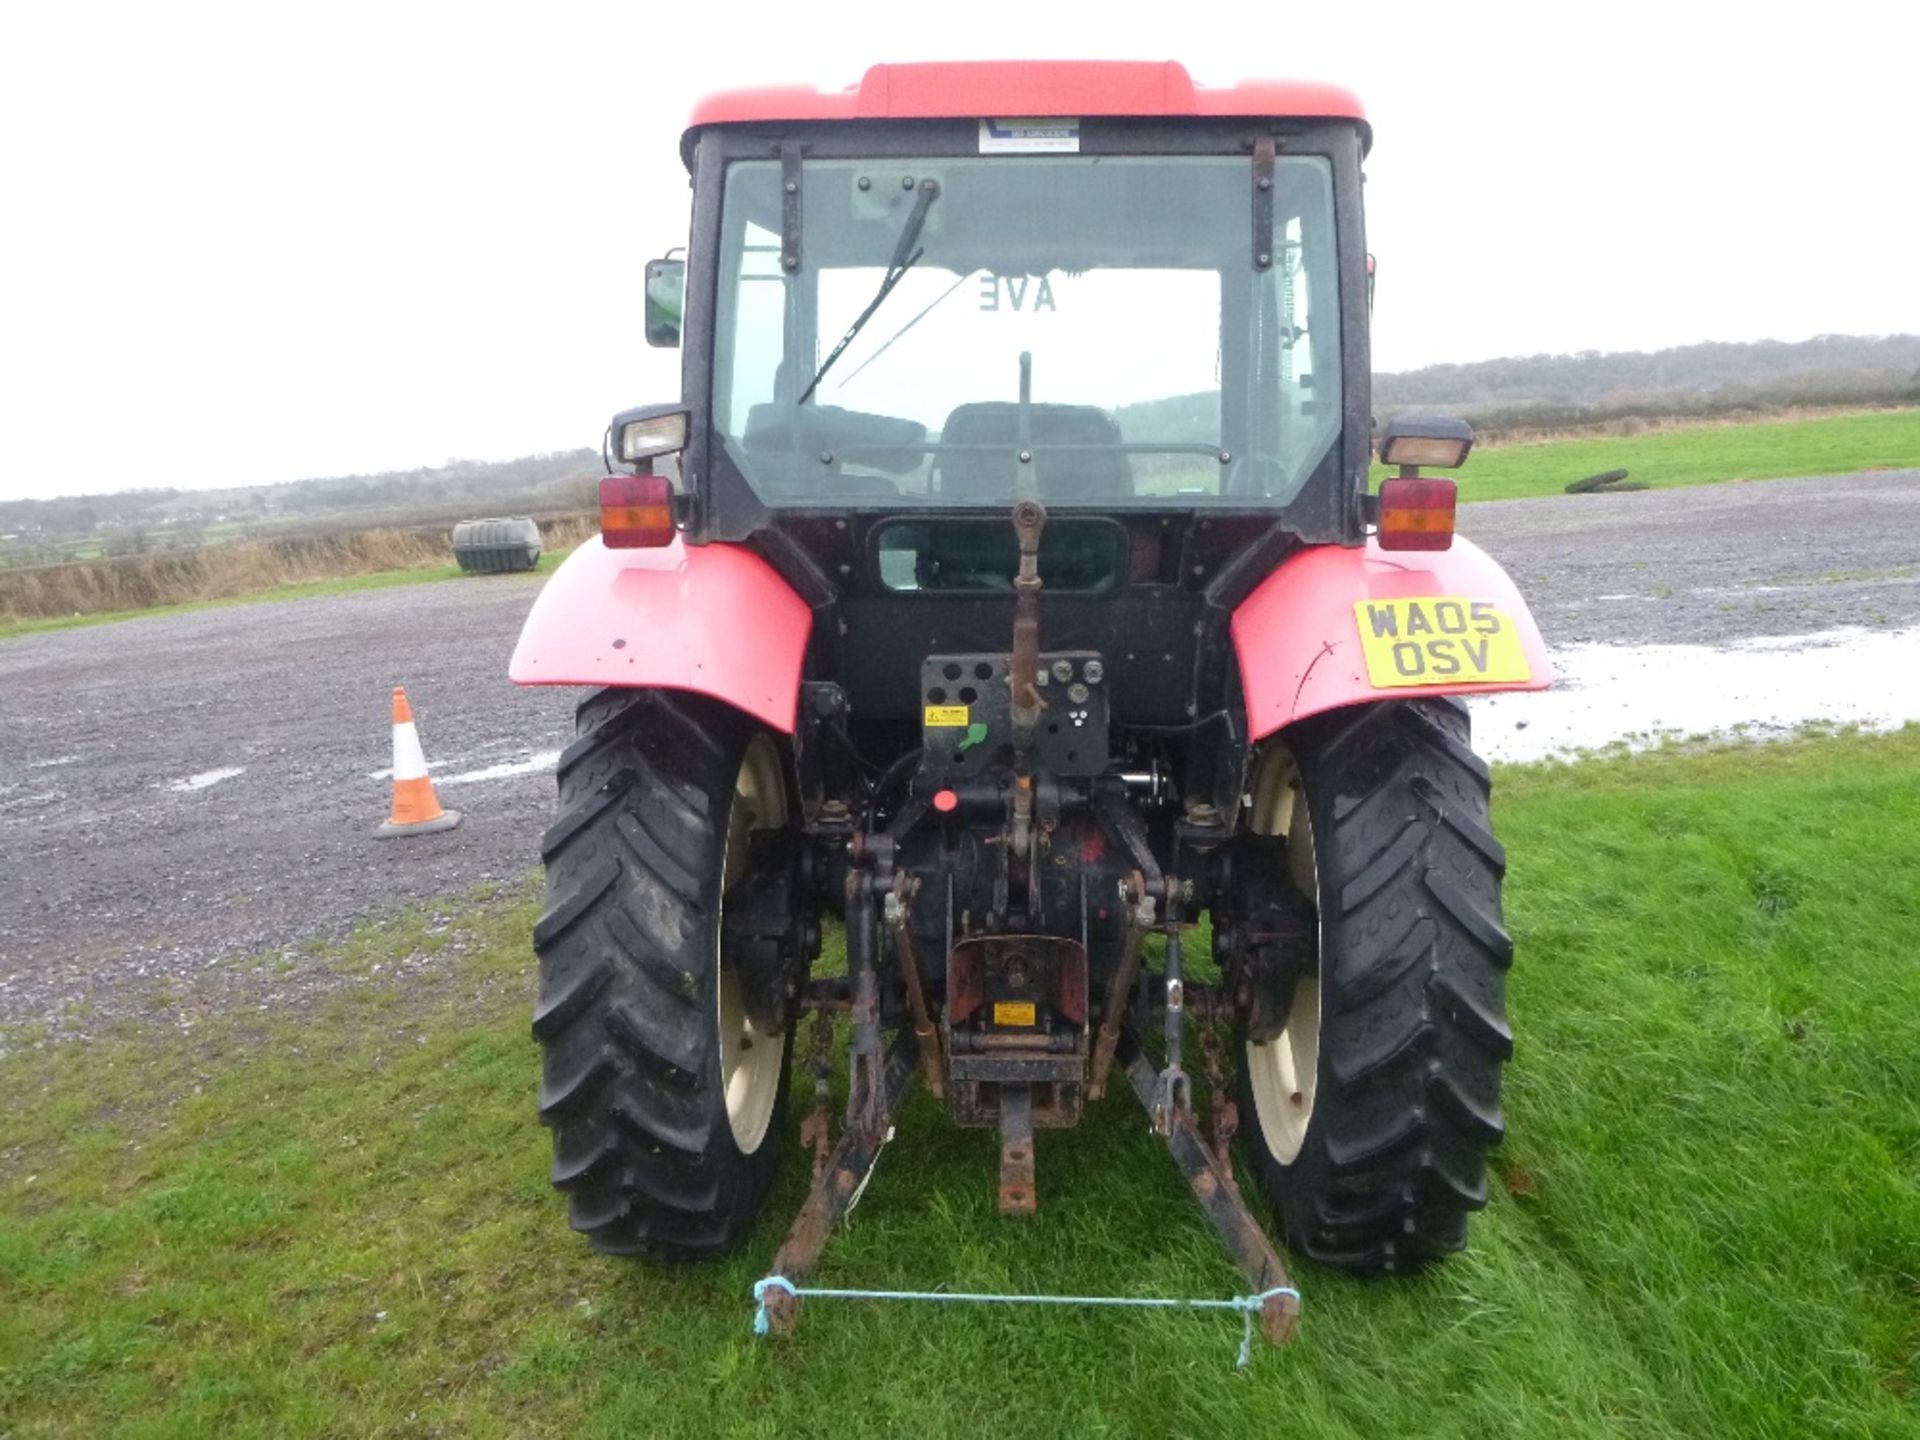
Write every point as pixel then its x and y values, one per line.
pixel 905 256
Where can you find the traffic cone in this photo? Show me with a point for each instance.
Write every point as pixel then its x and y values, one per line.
pixel 416 810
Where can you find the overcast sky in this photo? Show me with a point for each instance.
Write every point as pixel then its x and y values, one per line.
pixel 252 243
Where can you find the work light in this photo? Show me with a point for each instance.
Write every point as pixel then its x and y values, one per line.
pixel 1436 440
pixel 643 436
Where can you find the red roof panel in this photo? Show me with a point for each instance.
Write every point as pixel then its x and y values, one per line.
pixel 1025 88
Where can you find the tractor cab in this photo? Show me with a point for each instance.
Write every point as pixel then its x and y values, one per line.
pixel 1119 313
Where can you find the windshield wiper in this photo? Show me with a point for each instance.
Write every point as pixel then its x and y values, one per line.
pixel 904 258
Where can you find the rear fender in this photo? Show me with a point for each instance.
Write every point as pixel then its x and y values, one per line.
pixel 716 620
pixel 1297 636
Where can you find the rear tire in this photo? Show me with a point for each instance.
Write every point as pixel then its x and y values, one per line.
pixel 1407 1007
pixel 641 1049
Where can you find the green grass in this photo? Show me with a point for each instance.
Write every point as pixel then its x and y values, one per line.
pixel 1832 445
pixel 379 580
pixel 1705 1221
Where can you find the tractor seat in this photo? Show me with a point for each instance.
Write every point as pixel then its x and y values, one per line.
pixel 1082 476
pixel 786 445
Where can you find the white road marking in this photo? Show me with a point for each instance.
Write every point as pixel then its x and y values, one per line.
pixel 506 770
pixel 31 802
pixel 1768 685
pixel 204 779
pixel 434 766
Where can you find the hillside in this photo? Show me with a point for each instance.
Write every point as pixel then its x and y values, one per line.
pixel 34 532
pixel 1691 381
pixel 1569 392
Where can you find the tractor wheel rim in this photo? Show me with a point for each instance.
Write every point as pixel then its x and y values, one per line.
pixel 750 1058
pixel 1284 1073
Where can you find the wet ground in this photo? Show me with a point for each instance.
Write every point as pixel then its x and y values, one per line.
pixel 1714 563
pixel 1766 605
pixel 185 795
pixel 1761 687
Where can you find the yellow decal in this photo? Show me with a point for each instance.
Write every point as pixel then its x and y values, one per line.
pixel 1439 640
pixel 946 715
pixel 1013 1012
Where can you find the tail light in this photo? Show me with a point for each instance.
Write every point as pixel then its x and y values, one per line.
pixel 1416 513
pixel 636 511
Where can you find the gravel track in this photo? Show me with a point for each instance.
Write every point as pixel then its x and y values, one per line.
pixel 111 880
pixel 130 863
pixel 1712 563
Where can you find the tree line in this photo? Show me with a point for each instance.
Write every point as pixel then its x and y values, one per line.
pixel 141 521
pixel 1535 392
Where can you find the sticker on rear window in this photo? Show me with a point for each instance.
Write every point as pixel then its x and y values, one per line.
pixel 1029 137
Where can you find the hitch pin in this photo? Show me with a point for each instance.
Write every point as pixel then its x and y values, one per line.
pixel 1176 1091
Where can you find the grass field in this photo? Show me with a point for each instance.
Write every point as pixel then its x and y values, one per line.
pixel 1706 1219
pixel 1700 455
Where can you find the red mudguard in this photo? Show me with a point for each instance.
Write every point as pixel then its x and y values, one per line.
pixel 1299 642
pixel 714 619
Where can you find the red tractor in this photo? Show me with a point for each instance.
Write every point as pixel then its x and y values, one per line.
pixel 1006 591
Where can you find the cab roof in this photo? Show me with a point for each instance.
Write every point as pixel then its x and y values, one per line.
pixel 988 89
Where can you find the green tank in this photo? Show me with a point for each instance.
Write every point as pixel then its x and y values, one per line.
pixel 497 546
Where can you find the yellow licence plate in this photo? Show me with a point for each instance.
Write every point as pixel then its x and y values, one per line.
pixel 1439 640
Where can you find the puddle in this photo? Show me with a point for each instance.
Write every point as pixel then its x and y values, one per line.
pixel 204 779
pixel 506 770
pixel 1771 685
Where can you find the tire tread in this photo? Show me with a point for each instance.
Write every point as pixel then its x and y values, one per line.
pixel 630 1071
pixel 1414 963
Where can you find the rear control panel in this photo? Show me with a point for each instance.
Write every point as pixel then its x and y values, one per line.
pixel 967 720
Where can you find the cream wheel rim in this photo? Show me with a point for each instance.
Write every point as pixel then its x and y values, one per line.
pixel 750 1058
pixel 1284 1073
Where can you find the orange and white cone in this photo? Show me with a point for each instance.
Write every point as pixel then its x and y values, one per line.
pixel 416 809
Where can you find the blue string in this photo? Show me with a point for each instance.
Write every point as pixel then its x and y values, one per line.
pixel 1247 1305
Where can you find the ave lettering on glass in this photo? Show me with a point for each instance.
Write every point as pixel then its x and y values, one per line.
pixel 1010 292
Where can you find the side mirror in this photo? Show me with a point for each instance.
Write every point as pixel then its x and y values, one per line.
pixel 666 290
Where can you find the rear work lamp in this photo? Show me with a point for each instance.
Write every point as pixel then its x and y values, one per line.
pixel 645 434
pixel 1436 440
pixel 636 510
pixel 1414 513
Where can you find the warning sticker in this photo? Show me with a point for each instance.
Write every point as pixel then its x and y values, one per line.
pixel 944 715
pixel 1013 1012
pixel 1030 137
